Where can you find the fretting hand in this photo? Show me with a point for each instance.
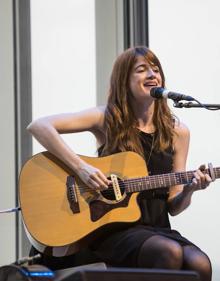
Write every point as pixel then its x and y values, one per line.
pixel 201 180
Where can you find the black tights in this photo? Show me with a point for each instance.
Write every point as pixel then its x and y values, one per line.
pixel 162 252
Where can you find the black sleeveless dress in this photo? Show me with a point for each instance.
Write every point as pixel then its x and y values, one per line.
pixel 122 248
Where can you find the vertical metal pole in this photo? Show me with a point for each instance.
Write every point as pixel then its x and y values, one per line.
pixel 135 23
pixel 23 102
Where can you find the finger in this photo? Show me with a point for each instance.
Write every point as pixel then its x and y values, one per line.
pixel 93 184
pixel 202 167
pixel 104 179
pixel 194 182
pixel 191 185
pixel 200 174
pixel 208 178
pixel 207 181
pixel 101 184
pixel 202 181
pixel 197 177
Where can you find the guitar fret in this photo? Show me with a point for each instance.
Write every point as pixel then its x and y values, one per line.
pixel 183 177
pixel 169 181
pixel 147 183
pixel 153 184
pixel 163 180
pixel 177 179
pixel 172 179
pixel 189 177
pixel 136 186
pixel 140 185
pixel 160 181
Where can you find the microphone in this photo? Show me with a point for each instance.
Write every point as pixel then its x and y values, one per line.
pixel 159 92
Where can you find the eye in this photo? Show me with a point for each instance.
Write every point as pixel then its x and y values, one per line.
pixel 141 69
pixel 155 68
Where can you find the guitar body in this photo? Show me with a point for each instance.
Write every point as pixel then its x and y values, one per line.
pixel 55 228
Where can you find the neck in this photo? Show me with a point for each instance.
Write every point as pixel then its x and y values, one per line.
pixel 144 114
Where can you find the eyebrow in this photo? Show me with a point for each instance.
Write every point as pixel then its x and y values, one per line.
pixel 145 65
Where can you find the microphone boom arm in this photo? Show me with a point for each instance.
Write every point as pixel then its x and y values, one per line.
pixel 198 105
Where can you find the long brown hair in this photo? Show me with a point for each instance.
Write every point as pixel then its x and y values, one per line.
pixel 120 122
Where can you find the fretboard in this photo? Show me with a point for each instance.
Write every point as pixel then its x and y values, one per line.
pixel 163 180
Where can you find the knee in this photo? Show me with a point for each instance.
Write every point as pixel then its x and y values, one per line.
pixel 203 266
pixel 172 256
pixel 198 261
pixel 161 252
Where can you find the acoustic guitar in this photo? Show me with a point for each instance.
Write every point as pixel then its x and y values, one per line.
pixel 61 214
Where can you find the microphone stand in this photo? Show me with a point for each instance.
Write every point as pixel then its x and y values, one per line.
pixel 179 104
pixel 11 210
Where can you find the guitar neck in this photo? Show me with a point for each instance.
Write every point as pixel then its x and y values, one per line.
pixel 163 180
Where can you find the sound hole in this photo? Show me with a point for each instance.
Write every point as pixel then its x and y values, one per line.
pixel 109 193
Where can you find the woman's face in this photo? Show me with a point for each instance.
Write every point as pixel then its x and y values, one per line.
pixel 144 76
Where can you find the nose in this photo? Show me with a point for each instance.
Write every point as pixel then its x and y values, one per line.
pixel 150 73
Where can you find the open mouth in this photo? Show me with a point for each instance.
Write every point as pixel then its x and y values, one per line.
pixel 150 85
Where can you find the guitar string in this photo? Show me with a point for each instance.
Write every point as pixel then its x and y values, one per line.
pixel 154 180
pixel 149 185
pixel 182 175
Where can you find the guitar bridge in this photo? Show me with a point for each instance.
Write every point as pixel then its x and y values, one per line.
pixel 71 194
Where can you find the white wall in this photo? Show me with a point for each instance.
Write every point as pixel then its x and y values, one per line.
pixel 7 139
pixel 74 44
pixel 63 62
pixel 185 36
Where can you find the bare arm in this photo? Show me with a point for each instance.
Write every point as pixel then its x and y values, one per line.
pixel 47 131
pixel 180 196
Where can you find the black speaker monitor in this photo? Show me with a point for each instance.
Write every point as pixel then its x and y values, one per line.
pixel 132 274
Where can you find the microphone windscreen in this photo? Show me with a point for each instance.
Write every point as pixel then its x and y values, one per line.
pixel 157 92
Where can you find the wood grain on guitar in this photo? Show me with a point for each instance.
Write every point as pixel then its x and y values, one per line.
pixel 61 214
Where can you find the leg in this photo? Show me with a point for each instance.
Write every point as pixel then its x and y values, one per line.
pixel 160 252
pixel 195 259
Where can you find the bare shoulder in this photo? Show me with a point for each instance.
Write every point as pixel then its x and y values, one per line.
pixel 181 136
pixel 181 130
pixel 91 119
pixel 97 115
